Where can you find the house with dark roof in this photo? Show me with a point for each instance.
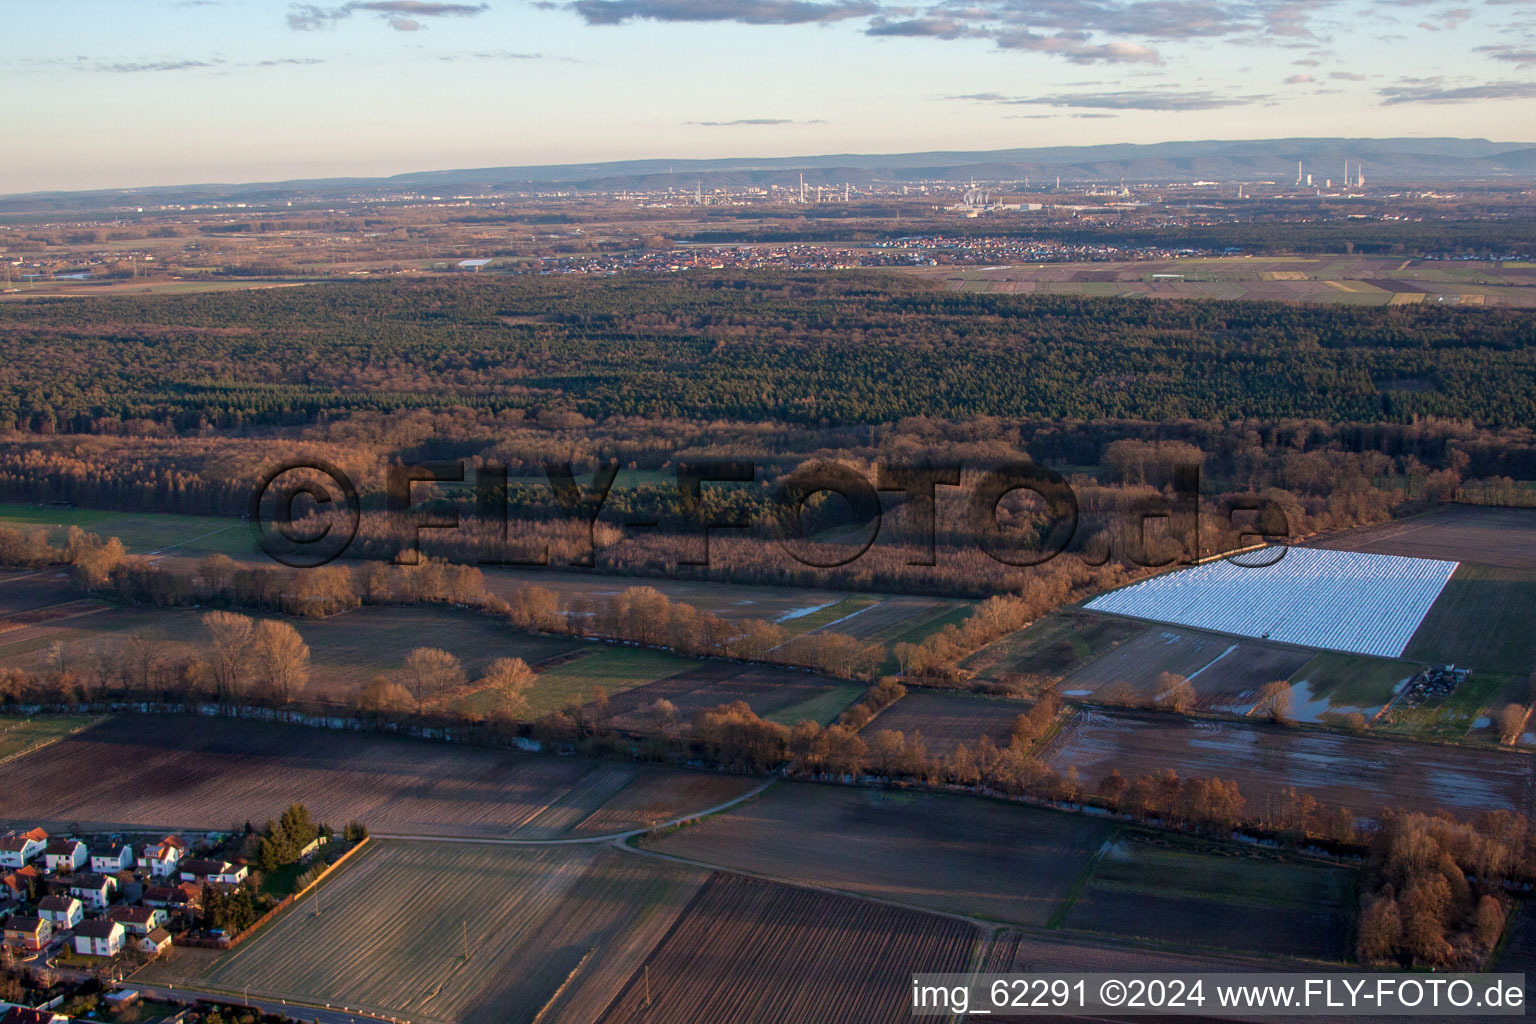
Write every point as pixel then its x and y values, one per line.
pixel 65 855
pixel 100 938
pixel 28 932
pixel 63 912
pixel 137 920
pixel 94 890
pixel 115 858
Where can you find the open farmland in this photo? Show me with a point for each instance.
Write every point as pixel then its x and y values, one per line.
pixel 175 771
pixel 947 720
pixel 345 650
pixel 552 932
pixel 937 851
pixel 1053 648
pixel 615 668
pixel 1336 600
pixel 753 951
pixel 1361 773
pixel 1334 684
pixel 20 735
pixel 1349 280
pixel 1163 892
pixel 781 694
pixel 1504 537
pixel 1483 619
pixel 728 600
pixel 1226 672
pixel 142 533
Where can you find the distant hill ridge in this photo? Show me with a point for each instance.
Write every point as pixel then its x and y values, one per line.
pixel 1385 160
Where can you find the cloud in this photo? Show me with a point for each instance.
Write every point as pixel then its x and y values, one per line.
pixel 1079 31
pixel 400 15
pixel 281 62
pixel 1076 47
pixel 748 122
pixel 1446 20
pixel 1345 76
pixel 1520 57
pixel 134 66
pixel 502 55
pixel 1433 90
pixel 746 12
pixel 1298 79
pixel 1150 99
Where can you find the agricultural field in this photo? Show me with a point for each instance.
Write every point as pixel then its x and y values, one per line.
pixel 947 720
pixel 748 950
pixel 551 933
pixel 728 600
pixel 617 669
pixel 1051 649
pixel 183 772
pixel 1349 280
pixel 345 650
pixel 1166 892
pixel 941 852
pixel 1225 671
pixel 1504 537
pixel 1483 619
pixel 1333 684
pixel 142 533
pixel 780 694
pixel 1335 600
pixel 1362 773
pixel 21 735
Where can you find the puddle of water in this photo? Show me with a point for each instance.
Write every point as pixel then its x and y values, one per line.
pixel 1075 693
pixel 797 613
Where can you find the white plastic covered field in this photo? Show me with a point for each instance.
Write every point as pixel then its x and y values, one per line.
pixel 1336 600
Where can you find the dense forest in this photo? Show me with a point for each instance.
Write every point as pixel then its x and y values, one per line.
pixel 808 349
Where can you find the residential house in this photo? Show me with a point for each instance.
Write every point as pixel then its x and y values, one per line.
pixel 65 855
pixel 20 849
pixel 173 897
pixel 94 890
pixel 161 858
pixel 20 883
pixel 99 937
pixel 9 908
pixel 155 943
pixel 63 912
pixel 220 872
pixel 115 858
pixel 27 1015
pixel 28 932
pixel 137 920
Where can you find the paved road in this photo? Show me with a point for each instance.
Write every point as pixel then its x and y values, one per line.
pixel 297 1011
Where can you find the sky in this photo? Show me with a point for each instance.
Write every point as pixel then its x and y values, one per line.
pixel 104 93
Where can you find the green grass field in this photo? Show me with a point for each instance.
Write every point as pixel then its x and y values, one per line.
pixel 140 532
pixel 1054 647
pixel 1453 717
pixel 1482 619
pixel 828 615
pixel 1353 681
pixel 822 709
pixel 19 735
pixel 1176 892
pixel 612 667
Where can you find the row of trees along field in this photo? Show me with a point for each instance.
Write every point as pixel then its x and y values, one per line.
pixel 800 348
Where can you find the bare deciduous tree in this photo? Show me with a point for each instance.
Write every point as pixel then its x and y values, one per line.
pixel 428 672
pixel 229 637
pixel 282 658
